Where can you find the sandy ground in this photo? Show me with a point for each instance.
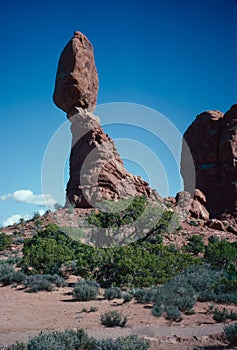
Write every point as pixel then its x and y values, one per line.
pixel 23 315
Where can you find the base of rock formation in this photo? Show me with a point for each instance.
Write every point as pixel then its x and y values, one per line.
pixel 97 172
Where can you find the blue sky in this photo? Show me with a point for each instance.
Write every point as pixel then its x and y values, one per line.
pixel 177 57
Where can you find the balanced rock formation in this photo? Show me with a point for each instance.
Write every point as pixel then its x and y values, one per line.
pixel 212 139
pixel 96 170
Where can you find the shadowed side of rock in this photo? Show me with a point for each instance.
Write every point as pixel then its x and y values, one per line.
pixel 212 139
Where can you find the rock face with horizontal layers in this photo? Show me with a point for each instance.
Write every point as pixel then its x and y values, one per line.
pixel 76 80
pixel 96 170
pixel 212 139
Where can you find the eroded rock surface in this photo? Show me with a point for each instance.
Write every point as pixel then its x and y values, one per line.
pixel 212 139
pixel 76 80
pixel 96 169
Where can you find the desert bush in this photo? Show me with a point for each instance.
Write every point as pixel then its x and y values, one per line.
pixel 19 241
pixel 220 315
pixel 8 275
pixel 195 245
pixel 86 290
pixel 17 346
pixel 177 294
pixel 220 254
pixel 157 310
pixel 135 265
pixel 5 241
pixel 232 316
pixel 113 293
pixel 131 342
pixel 78 340
pixel 6 270
pixel 91 309
pixel 75 233
pixel 36 283
pixel 185 303
pixel 45 254
pixel 113 319
pixel 231 333
pixel 173 313
pixel 116 214
pixel 127 297
pixel 146 295
pixel 67 340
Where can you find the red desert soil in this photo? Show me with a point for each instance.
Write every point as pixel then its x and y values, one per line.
pixel 23 315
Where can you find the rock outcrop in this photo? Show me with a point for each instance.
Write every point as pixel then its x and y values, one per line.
pixel 96 170
pixel 212 139
pixel 191 208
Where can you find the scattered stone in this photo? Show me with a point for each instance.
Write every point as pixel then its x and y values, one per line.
pixel 191 207
pixel 216 225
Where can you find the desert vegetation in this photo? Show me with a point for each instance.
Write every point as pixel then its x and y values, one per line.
pixel 168 280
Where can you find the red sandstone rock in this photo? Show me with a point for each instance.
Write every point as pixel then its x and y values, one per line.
pixel 212 139
pixel 76 81
pixel 190 207
pixel 96 170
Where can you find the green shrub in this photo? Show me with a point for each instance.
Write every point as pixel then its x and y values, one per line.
pixel 146 295
pixel 113 293
pixel 173 313
pixel 117 214
pixel 36 283
pixel 177 294
pixel 113 319
pixel 157 310
pixel 232 316
pixel 231 333
pixel 45 254
pixel 49 248
pixel 9 276
pixel 78 340
pixel 127 297
pixel 131 342
pixel 220 315
pixel 5 241
pixel 17 346
pixel 91 309
pixel 220 254
pixel 213 239
pixel 135 265
pixel 86 290
pixel 195 245
pixel 185 303
pixel 67 340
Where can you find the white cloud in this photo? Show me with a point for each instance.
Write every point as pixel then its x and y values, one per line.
pixel 27 196
pixel 14 219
